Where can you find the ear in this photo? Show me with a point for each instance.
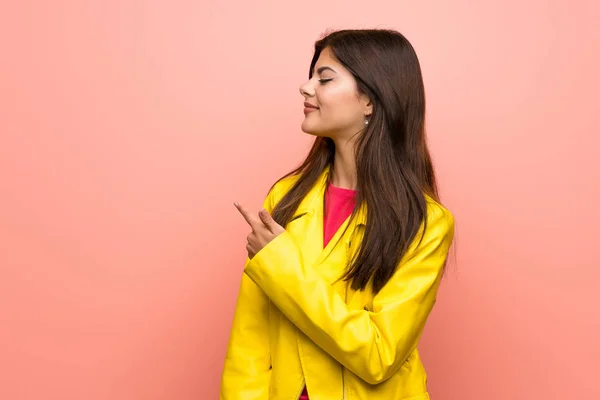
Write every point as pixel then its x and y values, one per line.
pixel 367 105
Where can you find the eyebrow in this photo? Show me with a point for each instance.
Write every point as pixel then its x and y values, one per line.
pixel 325 68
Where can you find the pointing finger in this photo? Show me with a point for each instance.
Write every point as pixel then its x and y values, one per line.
pixel 250 219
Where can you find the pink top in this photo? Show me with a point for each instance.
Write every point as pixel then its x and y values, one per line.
pixel 339 204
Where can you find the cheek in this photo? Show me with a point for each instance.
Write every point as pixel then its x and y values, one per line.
pixel 340 106
pixel 337 102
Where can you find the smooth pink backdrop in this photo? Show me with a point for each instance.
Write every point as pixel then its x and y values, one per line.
pixel 128 128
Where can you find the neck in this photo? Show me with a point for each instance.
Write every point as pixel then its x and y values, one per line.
pixel 344 166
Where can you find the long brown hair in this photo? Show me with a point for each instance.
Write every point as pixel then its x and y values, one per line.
pixel 394 168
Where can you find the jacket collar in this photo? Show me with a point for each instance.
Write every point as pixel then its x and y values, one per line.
pixel 314 199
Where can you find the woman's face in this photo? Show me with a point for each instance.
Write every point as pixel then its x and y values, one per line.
pixel 333 106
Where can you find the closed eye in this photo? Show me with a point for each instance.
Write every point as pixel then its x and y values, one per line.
pixel 324 81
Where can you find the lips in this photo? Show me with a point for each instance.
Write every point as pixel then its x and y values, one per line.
pixel 308 108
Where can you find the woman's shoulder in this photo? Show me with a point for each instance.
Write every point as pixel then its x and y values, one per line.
pixel 437 213
pixel 281 187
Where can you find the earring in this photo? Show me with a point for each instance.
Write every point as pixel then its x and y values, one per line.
pixel 366 121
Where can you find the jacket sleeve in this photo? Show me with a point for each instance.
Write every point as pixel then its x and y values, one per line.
pixel 372 344
pixel 247 369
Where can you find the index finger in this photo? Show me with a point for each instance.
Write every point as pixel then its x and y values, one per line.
pixel 250 219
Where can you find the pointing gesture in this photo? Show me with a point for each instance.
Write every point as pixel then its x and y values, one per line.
pixel 264 229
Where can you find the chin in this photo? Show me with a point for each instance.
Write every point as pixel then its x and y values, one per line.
pixel 310 129
pixel 317 132
pixel 306 128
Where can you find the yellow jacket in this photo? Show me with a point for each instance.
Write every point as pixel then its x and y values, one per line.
pixel 295 323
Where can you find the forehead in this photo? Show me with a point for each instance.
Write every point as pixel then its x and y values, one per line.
pixel 326 58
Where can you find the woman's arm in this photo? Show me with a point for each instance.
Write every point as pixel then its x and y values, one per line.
pixel 247 370
pixel 371 344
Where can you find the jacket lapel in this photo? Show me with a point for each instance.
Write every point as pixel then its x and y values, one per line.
pixel 307 228
pixel 329 262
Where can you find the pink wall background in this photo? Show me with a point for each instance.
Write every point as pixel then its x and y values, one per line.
pixel 128 128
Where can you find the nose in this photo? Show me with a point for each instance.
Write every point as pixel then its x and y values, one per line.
pixel 307 90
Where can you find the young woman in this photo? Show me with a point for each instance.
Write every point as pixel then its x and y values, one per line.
pixel 345 259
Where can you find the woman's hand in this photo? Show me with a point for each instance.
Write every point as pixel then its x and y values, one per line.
pixel 264 229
